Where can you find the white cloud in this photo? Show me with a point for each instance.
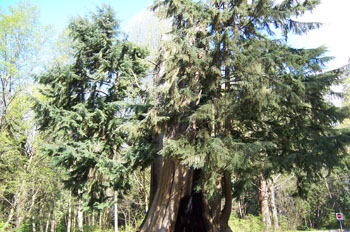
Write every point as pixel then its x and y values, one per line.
pixel 334 34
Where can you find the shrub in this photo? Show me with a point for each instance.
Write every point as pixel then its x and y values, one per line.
pixel 250 223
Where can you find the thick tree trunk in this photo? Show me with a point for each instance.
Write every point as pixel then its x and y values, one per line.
pixel 173 186
pixel 156 171
pixel 176 207
pixel 264 202
pixel 226 211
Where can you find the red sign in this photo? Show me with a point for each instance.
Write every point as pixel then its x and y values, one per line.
pixel 339 216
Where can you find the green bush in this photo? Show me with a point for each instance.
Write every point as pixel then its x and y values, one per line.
pixel 61 228
pixel 23 228
pixel 250 223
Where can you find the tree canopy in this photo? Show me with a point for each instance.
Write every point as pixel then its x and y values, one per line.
pixel 87 101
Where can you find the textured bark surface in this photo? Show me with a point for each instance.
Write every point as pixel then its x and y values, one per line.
pixel 69 219
pixel 156 170
pixel 176 207
pixel 173 186
pixel 80 217
pixel 264 202
pixel 274 207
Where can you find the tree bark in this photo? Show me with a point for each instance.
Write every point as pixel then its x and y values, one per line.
pixel 48 222
pixel 264 202
pixel 173 186
pixel 80 214
pixel 156 170
pixel 226 211
pixel 177 207
pixel 33 224
pixel 273 206
pixel 93 218
pixel 331 196
pixel 53 224
pixel 100 219
pixel 115 211
pixel 69 219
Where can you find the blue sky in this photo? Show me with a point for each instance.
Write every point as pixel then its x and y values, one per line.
pixel 335 34
pixel 59 12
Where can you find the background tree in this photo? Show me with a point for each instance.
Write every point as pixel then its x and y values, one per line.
pixel 21 163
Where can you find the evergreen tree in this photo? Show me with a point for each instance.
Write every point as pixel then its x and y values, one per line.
pixel 87 102
pixel 235 103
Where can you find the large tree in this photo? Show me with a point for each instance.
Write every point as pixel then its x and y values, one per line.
pixel 87 101
pixel 235 102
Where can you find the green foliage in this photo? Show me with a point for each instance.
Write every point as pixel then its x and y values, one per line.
pixel 232 99
pixel 61 228
pixel 236 98
pixel 88 101
pixel 23 228
pixel 250 223
pixel 1 225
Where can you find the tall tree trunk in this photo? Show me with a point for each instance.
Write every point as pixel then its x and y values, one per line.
pixel 264 202
pixel 9 218
pixel 331 196
pixel 30 211
pixel 73 219
pixel 226 211
pixel 69 216
pixel 100 219
pixel 48 222
pixel 93 218
pixel 80 217
pixel 53 224
pixel 33 224
pixel 146 194
pixel 273 206
pixel 40 222
pixel 156 166
pixel 115 211
pixel 156 170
